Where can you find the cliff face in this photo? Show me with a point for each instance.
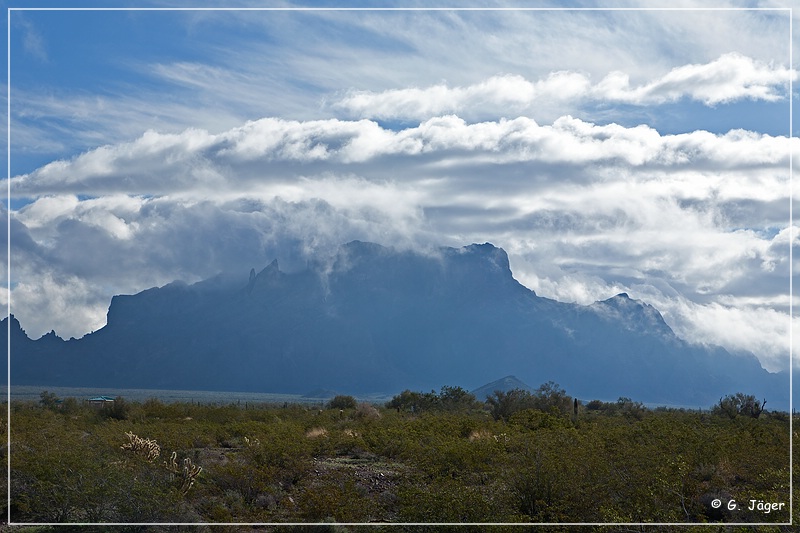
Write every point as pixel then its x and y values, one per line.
pixel 377 320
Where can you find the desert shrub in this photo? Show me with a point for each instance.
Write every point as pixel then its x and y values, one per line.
pixel 535 419
pixel 241 476
pixel 342 402
pixel 504 404
pixel 48 400
pixel 452 399
pixel 259 466
pixel 457 399
pixel 451 500
pixel 624 407
pixel 470 460
pixel 347 442
pixel 549 396
pixel 595 405
pixel 553 471
pixel 779 416
pixel 337 496
pixel 629 408
pixel 71 406
pixel 60 473
pixel 285 450
pixel 393 438
pixel 118 410
pixel 415 402
pixel 155 408
pixel 739 404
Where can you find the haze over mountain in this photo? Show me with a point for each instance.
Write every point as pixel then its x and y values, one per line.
pixel 378 320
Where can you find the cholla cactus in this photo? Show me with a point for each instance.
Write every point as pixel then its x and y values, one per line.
pixel 149 449
pixel 172 465
pixel 189 471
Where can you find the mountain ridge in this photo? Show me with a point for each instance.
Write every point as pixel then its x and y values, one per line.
pixel 377 320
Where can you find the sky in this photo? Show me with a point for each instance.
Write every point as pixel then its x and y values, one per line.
pixel 631 150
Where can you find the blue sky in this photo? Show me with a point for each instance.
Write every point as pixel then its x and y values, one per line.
pixel 638 151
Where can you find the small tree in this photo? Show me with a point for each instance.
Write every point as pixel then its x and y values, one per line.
pixel 119 409
pixel 504 404
pixel 405 400
pixel 342 402
pixel 595 405
pixel 550 395
pixel 48 400
pixel 414 401
pixel 70 406
pixel 739 404
pixel 751 407
pixel 457 399
pixel 629 408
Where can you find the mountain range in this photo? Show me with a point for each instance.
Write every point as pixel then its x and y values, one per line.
pixel 374 319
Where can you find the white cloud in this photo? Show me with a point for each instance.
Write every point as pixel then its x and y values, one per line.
pixel 271 150
pixel 757 329
pixel 510 92
pixel 33 42
pixel 237 66
pixel 68 303
pixel 729 78
pixel 47 210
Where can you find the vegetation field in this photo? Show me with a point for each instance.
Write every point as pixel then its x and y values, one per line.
pixel 421 458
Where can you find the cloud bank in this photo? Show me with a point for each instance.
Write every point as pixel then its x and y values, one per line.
pixel 265 151
pixel 585 211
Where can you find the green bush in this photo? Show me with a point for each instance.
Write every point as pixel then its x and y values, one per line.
pixel 504 404
pixel 415 402
pixel 739 404
pixel 342 402
pixel 452 399
pixel 118 410
pixel 48 400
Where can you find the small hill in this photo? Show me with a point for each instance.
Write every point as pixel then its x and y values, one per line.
pixel 503 384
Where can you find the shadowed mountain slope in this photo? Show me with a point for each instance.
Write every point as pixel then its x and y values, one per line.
pixel 377 320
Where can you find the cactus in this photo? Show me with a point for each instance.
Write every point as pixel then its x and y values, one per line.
pixel 188 473
pixel 172 465
pixel 149 449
